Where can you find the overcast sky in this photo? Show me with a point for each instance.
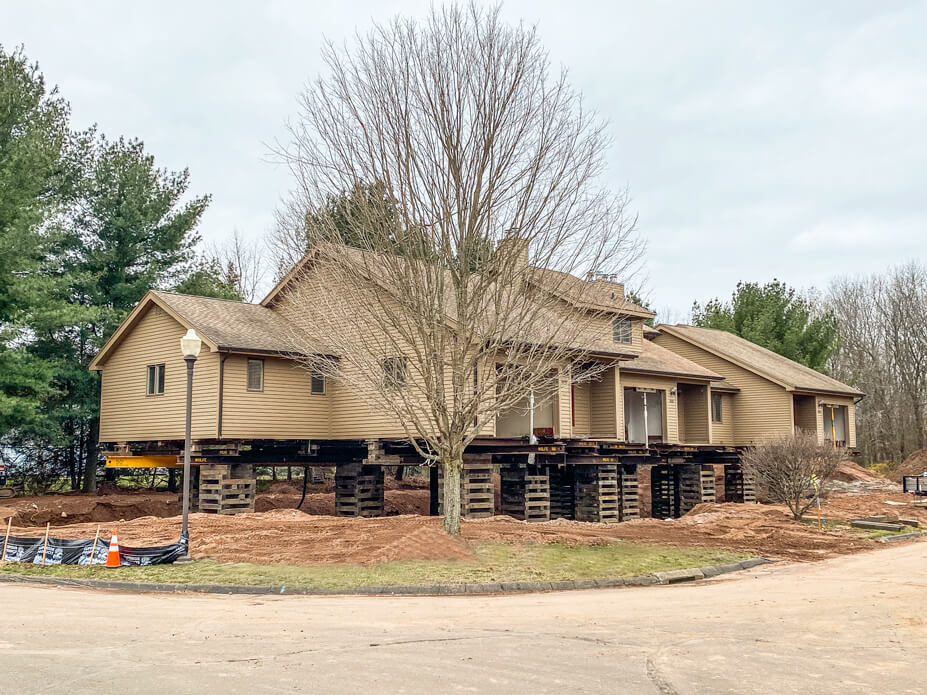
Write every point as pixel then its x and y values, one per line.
pixel 758 139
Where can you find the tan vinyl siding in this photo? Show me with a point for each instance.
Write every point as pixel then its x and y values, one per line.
pixel 723 432
pixel 284 409
pixel 761 408
pixel 358 414
pixel 693 414
pixel 851 425
pixel 602 406
pixel 564 404
pixel 583 426
pixel 637 334
pixel 127 413
pixel 807 415
pixel 666 385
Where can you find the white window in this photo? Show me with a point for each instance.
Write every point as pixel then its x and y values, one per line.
pixel 155 379
pixel 318 385
pixel 716 410
pixel 255 375
pixel 395 372
pixel 621 330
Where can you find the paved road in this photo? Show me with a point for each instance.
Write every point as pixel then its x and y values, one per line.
pixel 853 625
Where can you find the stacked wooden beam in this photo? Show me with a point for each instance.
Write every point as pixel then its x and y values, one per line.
pixel 376 455
pixel 525 493
pixel 630 506
pixel 749 488
pixel 476 487
pixel 219 493
pixel 738 485
pixel 596 493
pixel 688 487
pixel 359 490
pixel 707 480
pixel 662 492
pixel 560 482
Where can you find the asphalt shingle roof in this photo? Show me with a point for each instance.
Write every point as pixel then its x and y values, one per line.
pixel 659 360
pixel 233 325
pixel 764 362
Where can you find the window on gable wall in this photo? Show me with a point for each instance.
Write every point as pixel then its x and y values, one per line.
pixel 255 375
pixel 395 372
pixel 716 411
pixel 155 379
pixel 621 330
pixel 318 385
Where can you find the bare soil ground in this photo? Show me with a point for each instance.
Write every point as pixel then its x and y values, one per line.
pixel 278 533
pixel 72 508
pixel 915 464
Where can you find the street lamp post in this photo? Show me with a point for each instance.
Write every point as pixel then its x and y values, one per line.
pixel 190 347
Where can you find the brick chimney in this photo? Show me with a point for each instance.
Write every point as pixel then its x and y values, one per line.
pixel 518 247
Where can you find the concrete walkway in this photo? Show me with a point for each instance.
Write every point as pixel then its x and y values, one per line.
pixel 852 625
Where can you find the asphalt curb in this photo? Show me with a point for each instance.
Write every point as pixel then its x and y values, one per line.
pixel 671 577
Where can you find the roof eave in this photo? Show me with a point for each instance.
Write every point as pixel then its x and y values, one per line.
pixel 682 375
pixel 670 330
pixel 828 392
pixel 128 323
pixel 240 350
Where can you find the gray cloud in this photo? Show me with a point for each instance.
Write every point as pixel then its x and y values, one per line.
pixel 758 139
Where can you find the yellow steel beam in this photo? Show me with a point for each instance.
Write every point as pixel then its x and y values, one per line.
pixel 142 462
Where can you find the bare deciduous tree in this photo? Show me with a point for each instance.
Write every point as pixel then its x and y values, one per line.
pixel 883 352
pixel 453 294
pixel 788 469
pixel 241 265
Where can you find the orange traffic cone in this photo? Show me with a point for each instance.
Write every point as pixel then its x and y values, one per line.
pixel 112 557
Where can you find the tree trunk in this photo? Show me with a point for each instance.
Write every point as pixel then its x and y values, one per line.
pixel 90 453
pixel 452 469
pixel 172 480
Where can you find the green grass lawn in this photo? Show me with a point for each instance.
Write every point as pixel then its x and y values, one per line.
pixel 493 563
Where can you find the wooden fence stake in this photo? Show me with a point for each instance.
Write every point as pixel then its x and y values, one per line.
pixel 93 550
pixel 6 540
pixel 45 547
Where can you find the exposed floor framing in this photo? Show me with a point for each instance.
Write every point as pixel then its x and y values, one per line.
pixel 581 479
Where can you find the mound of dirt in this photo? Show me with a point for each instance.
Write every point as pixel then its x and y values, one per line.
pixel 287 536
pixel 278 533
pixel 396 502
pixel 849 472
pixel 60 510
pixel 915 464
pixel 411 482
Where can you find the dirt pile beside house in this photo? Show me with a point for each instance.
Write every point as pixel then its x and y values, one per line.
pixel 60 510
pixel 71 508
pixel 398 501
pixel 845 507
pixel 287 536
pixel 915 464
pixel 849 472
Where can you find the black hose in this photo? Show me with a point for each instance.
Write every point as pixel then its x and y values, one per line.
pixel 305 478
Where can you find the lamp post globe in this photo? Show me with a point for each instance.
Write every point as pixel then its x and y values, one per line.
pixel 190 346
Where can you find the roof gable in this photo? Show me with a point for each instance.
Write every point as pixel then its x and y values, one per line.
pixel 763 362
pixel 224 325
pixel 656 359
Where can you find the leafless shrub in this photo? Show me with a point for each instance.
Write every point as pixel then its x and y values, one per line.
pixel 788 469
